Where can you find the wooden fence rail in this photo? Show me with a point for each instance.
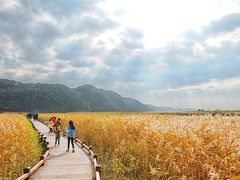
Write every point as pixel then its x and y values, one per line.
pixel 27 171
pixel 89 151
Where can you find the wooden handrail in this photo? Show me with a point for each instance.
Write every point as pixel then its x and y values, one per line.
pixel 91 153
pixel 88 149
pixel 93 156
pixel 27 172
pixel 30 172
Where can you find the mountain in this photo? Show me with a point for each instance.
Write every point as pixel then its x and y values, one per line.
pixel 38 97
pixel 168 109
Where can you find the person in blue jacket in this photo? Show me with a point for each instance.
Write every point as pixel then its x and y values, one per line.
pixel 71 135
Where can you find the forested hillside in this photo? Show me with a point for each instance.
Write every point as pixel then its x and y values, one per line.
pixel 39 97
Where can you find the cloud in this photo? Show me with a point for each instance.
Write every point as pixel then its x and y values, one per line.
pixel 93 24
pixel 222 94
pixel 33 37
pixel 130 43
pixel 191 60
pixel 226 24
pixel 181 63
pixel 35 28
pixel 59 42
pixel 59 8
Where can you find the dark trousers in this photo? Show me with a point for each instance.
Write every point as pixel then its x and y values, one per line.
pixel 50 130
pixel 57 140
pixel 70 139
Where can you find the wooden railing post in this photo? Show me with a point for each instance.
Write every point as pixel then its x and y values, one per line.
pixel 93 156
pixel 47 145
pixel 42 158
pixel 90 149
pixel 41 138
pixel 26 170
pixel 98 168
pixel 44 143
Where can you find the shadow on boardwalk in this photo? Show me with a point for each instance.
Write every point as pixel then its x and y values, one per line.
pixel 57 156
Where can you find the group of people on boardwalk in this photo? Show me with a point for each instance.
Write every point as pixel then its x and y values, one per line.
pixel 32 115
pixel 55 126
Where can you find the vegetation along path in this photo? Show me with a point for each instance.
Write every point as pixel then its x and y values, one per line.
pixel 62 164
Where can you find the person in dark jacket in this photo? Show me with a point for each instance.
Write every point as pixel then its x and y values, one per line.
pixel 57 136
pixel 58 123
pixel 71 135
pixel 50 126
pixel 29 116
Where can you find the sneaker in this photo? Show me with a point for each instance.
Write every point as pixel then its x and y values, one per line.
pixel 67 150
pixel 73 150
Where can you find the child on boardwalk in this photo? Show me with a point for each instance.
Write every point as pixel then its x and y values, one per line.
pixel 58 123
pixel 71 135
pixel 57 136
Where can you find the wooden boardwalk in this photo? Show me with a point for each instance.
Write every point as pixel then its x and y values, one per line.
pixel 62 164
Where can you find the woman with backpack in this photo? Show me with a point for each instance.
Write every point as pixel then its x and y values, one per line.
pixel 71 135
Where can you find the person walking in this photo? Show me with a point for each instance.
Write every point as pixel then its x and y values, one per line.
pixel 58 123
pixel 36 117
pixel 50 126
pixel 57 136
pixel 54 120
pixel 71 135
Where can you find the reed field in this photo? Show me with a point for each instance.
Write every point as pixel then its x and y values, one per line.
pixel 19 146
pixel 160 146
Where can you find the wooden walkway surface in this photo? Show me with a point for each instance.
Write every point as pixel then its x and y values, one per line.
pixel 62 164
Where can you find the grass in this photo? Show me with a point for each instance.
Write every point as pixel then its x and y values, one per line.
pixel 19 145
pixel 156 146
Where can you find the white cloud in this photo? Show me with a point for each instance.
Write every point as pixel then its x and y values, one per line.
pixel 9 49
pixel 9 4
pixel 141 51
pixel 221 94
pixel 162 21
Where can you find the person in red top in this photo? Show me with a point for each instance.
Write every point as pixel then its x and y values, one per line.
pixel 54 120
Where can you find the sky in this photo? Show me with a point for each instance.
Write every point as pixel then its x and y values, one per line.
pixel 180 54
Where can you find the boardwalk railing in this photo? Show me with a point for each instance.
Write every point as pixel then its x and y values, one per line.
pixel 89 150
pixel 27 171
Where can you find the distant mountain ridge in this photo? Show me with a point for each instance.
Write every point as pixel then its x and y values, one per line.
pixel 168 109
pixel 40 97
